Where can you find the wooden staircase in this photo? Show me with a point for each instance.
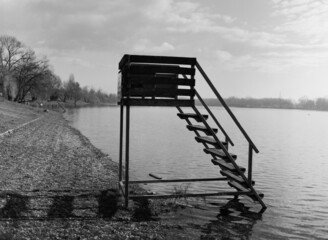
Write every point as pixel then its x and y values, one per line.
pixel 170 81
pixel 218 150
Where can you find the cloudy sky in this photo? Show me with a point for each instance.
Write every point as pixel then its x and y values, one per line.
pixel 252 48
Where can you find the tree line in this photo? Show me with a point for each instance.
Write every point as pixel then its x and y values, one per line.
pixel 303 103
pixel 26 77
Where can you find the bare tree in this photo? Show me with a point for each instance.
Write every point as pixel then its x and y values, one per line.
pixel 8 84
pixel 1 72
pixel 12 52
pixel 73 89
pixel 22 73
pixel 54 88
pixel 32 75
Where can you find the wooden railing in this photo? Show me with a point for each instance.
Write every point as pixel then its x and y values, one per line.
pixel 154 81
pixel 233 117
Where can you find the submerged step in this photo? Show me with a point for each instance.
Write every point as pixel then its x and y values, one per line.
pixel 219 153
pixel 225 165
pixel 239 187
pixel 210 140
pixel 201 128
pixel 235 176
pixel 191 115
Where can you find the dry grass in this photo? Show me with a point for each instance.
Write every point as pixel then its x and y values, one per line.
pixel 13 114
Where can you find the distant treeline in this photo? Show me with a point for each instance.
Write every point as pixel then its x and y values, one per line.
pixel 25 77
pixel 302 103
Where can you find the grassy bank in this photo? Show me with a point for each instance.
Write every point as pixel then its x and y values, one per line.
pixel 13 115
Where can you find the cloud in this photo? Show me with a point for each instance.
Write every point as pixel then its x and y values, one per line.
pixel 185 16
pixel 162 26
pixel 72 25
pixel 272 61
pixel 305 18
pixel 308 19
pixel 78 61
pixel 121 25
pixel 182 17
pixel 223 55
pixel 145 45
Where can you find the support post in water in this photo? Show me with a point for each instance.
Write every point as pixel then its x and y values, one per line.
pixel 250 163
pixel 127 151
pixel 120 169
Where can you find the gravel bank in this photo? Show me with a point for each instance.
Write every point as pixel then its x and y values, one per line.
pixel 54 184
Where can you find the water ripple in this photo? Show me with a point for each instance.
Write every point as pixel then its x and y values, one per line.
pixel 291 168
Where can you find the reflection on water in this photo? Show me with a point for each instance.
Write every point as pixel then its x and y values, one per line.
pixel 291 169
pixel 234 220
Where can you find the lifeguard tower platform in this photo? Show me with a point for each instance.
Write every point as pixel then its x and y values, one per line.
pixel 169 81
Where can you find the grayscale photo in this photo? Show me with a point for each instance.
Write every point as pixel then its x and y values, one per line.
pixel 163 119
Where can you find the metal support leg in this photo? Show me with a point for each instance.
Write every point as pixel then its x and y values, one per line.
pixel 127 143
pixel 250 163
pixel 121 144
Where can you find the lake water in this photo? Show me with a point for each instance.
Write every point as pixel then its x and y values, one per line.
pixel 291 168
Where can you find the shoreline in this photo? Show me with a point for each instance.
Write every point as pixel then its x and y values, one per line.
pixel 55 184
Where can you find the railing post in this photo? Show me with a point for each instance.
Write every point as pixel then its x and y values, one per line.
pixel 225 106
pixel 250 163
pixel 227 141
pixel 214 118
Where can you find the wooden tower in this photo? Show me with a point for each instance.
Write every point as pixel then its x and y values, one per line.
pixel 169 81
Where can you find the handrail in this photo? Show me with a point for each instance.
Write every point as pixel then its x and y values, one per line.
pixel 231 160
pixel 214 118
pixel 226 107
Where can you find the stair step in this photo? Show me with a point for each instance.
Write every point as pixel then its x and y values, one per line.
pixel 239 187
pixel 191 115
pixel 201 128
pixel 225 165
pixel 219 153
pixel 210 140
pixel 234 177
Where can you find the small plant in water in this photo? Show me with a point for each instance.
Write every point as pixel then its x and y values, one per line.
pixel 181 192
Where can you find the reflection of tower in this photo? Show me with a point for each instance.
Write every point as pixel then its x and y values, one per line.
pixel 234 219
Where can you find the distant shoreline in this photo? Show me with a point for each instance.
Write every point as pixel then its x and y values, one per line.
pixel 276 108
pixel 320 104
